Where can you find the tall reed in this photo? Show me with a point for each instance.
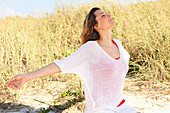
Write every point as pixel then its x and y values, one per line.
pixel 28 44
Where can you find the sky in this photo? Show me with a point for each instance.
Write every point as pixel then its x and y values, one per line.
pixel 37 7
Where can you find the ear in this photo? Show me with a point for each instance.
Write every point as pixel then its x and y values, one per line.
pixel 96 27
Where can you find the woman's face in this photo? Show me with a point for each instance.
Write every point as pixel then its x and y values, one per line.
pixel 104 20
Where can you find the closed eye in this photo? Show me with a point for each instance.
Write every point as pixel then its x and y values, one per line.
pixel 103 15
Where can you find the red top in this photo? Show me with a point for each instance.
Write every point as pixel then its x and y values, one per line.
pixel 117 47
pixel 121 102
pixel 117 59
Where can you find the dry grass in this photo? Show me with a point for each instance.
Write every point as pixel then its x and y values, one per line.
pixel 30 43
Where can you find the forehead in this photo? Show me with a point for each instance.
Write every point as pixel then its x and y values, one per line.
pixel 98 12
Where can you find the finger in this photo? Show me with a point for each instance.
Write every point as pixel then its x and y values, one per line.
pixel 16 86
pixel 7 85
pixel 13 79
pixel 12 86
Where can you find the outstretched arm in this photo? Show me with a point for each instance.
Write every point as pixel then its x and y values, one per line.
pixel 19 80
pixel 69 64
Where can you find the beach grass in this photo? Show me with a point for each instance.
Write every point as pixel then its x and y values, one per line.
pixel 27 44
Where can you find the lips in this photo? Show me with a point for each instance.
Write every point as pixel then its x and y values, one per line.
pixel 110 19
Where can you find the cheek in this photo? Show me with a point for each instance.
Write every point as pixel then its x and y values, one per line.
pixel 104 19
pixel 102 22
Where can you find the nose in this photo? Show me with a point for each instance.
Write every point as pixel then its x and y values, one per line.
pixel 109 15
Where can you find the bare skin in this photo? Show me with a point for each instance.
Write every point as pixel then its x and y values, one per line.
pixel 104 27
pixel 19 80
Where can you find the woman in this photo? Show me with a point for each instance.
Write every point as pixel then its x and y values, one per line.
pixel 101 62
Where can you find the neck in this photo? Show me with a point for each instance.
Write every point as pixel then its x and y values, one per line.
pixel 105 37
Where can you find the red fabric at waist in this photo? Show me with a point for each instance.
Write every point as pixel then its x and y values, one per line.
pixel 121 102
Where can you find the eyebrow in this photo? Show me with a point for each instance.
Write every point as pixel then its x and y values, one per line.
pixel 101 13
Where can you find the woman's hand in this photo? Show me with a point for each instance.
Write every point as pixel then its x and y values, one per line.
pixel 17 82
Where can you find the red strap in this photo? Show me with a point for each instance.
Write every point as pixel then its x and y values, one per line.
pixel 117 47
pixel 121 102
pixel 117 58
pixel 114 43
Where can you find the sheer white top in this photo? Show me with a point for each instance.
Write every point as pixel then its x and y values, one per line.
pixel 103 76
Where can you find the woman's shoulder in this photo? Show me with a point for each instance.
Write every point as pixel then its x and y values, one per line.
pixel 90 45
pixel 91 42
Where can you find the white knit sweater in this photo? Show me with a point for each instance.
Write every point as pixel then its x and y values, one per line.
pixel 103 76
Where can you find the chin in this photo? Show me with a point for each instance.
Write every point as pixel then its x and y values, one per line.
pixel 113 24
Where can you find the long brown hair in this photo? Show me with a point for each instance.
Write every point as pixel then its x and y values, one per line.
pixel 89 33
